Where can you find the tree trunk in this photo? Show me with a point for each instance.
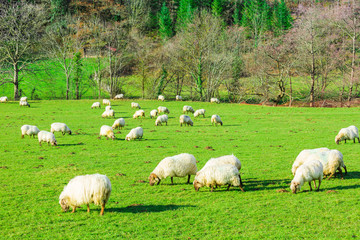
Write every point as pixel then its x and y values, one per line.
pixel 77 90
pixel 16 82
pixel 312 99
pixel 290 93
pixel 67 86
pixel 352 66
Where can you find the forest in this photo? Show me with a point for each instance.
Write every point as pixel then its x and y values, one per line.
pixel 255 51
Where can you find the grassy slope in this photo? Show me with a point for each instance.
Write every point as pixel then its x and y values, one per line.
pixel 265 139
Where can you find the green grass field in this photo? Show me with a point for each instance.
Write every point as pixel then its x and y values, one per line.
pixel 265 139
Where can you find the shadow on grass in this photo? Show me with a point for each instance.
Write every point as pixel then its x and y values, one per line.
pixel 69 144
pixel 349 175
pixel 252 184
pixel 147 208
pixel 356 186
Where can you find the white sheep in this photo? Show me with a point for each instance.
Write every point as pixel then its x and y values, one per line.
pixel 23 99
pixel 161 119
pixel 349 133
pixel 86 189
pixel 95 105
pixel 153 113
pixel 180 165
pixel 199 112
pixel 214 100
pixel 218 175
pixel 29 130
pixel 119 96
pixel 109 113
pixel 310 171
pixel 161 98
pixel 60 127
pixel 119 123
pixel 4 99
pixel 139 113
pixel 185 119
pixel 24 103
pixel 163 110
pixel 304 156
pixel 106 102
pixel 187 109
pixel 107 132
pixel 135 133
pixel 135 105
pixel 178 98
pixel 215 120
pixel 108 108
pixel 227 159
pixel 49 137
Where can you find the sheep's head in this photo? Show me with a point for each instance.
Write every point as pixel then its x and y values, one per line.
pixel 197 185
pixel 64 205
pixel 153 178
pixel 70 132
pixel 191 123
pixel 127 138
pixel 221 123
pixel 337 139
pixel 54 143
pixel 295 186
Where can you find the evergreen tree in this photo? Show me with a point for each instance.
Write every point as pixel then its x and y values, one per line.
pixel 77 73
pixel 164 75
pixel 165 23
pixel 184 14
pixel 217 7
pixel 237 14
pixel 59 8
pixel 282 19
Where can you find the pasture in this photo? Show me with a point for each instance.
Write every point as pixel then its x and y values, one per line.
pixel 265 139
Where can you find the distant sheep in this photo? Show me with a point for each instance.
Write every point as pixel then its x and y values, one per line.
pixel 49 137
pixel 107 108
pixel 180 165
pixel 218 175
pixel 4 99
pixel 135 133
pixel 107 132
pixel 95 105
pixel 185 119
pixel 153 113
pixel 119 96
pixel 60 127
pixel 215 120
pixel 135 105
pixel 119 123
pixel 163 110
pixel 109 113
pixel 29 130
pixel 161 98
pixel 187 109
pixel 23 99
pixel 227 159
pixel 161 119
pixel 106 102
pixel 178 98
pixel 24 103
pixel 199 112
pixel 349 133
pixel 310 171
pixel 86 189
pixel 139 113
pixel 214 100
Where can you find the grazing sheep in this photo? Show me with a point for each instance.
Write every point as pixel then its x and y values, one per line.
pixel 106 102
pixel 199 112
pixel 218 175
pixel 24 103
pixel 119 96
pixel 161 98
pixel 153 113
pixel 161 119
pixel 227 159
pixel 48 137
pixel 29 130
pixel 163 110
pixel 109 113
pixel 135 133
pixel 215 120
pixel 178 98
pixel 23 99
pixel 4 99
pixel 180 165
pixel 60 127
pixel 135 105
pixel 187 109
pixel 349 133
pixel 304 156
pixel 185 119
pixel 214 100
pixel 108 108
pixel 107 132
pixel 310 171
pixel 119 123
pixel 86 189
pixel 95 105
pixel 139 113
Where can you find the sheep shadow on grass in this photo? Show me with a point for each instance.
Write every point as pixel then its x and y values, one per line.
pixel 356 186
pixel 252 184
pixel 139 208
pixel 349 175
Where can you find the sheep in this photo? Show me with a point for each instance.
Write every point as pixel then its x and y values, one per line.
pixel 23 99
pixel 161 119
pixel 60 127
pixel 215 120
pixel 349 133
pixel 139 113
pixel 227 159
pixel 108 108
pixel 107 132
pixel 4 99
pixel 95 105
pixel 218 175
pixel 153 113
pixel 135 105
pixel 304 156
pixel 180 165
pixel 163 110
pixel 109 113
pixel 86 189
pixel 29 130
pixel 48 137
pixel 119 123
pixel 135 133
pixel 119 96
pixel 187 109
pixel 185 119
pixel 106 102
pixel 199 112
pixel 161 98
pixel 24 103
pixel 214 100
pixel 310 171
pixel 178 98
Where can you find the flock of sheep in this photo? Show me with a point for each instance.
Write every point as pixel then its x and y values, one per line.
pixel 310 164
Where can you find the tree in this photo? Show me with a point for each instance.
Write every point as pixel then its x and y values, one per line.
pixel 282 19
pixel 184 14
pixel 165 23
pixel 217 8
pixel 59 8
pixel 21 29
pixel 77 73
pixel 139 14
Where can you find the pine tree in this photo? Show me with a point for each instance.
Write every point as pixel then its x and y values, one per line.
pixel 217 7
pixel 59 8
pixel 237 14
pixel 184 14
pixel 282 19
pixel 165 23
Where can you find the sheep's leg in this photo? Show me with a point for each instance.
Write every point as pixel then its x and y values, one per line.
pixel 172 180
pixel 340 171
pixel 241 184
pixel 63 133
pixel 330 175
pixel 22 136
pixel 40 143
pixel 345 170
pixel 314 184
pixel 212 188
pixel 74 208
pixel 358 140
pixel 345 140
pixel 228 187
pixel 310 186
pixel 88 208
pixel 188 179
pixel 48 143
pixel 354 140
pixel 102 209
pixel 319 185
pixel 158 182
